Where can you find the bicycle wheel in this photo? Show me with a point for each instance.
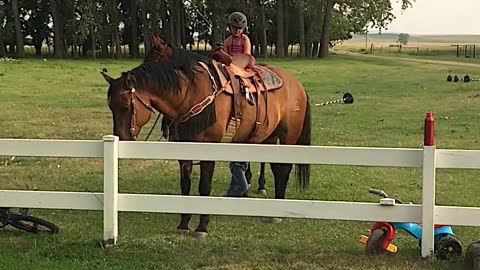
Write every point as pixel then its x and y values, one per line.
pixel 32 224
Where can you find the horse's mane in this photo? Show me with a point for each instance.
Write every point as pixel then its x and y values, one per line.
pixel 163 75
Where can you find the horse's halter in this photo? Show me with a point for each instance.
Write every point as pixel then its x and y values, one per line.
pixel 161 52
pixel 133 121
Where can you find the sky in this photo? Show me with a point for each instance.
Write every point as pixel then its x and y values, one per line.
pixel 437 17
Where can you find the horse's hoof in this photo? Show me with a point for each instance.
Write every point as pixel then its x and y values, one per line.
pixel 262 192
pixel 200 235
pixel 182 231
pixel 275 220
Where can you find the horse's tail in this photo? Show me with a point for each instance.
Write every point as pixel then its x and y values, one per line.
pixel 302 171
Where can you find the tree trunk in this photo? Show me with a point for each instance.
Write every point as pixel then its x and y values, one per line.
pixel 3 53
pixel 94 43
pixel 183 34
pixel 308 49
pixel 38 49
pixel 263 30
pixel 146 31
pixel 285 26
pixel 104 48
pixel 280 49
pixel 134 29
pixel 327 26
pixel 315 49
pixel 178 23
pixel 18 29
pixel 58 44
pixel 301 27
pixel 116 46
pixel 255 42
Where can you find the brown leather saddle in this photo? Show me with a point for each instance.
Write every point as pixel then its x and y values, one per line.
pixel 241 78
pixel 242 67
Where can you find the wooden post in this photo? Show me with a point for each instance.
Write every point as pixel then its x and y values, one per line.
pixel 428 188
pixel 110 190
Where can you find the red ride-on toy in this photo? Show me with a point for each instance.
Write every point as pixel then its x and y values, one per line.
pixel 382 235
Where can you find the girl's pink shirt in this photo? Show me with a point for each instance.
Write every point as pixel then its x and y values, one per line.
pixel 239 48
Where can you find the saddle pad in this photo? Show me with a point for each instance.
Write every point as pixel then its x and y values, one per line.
pixel 271 80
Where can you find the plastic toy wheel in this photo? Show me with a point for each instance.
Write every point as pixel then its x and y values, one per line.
pixel 472 257
pixel 33 224
pixel 376 242
pixel 447 247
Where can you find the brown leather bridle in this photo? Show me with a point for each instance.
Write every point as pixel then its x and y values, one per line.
pixel 133 120
pixel 161 52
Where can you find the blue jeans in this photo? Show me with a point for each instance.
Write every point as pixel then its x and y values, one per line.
pixel 239 184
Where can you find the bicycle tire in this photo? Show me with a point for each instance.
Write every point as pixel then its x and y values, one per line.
pixel 32 224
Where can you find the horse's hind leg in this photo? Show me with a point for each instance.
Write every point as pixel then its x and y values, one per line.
pixel 204 188
pixel 281 174
pixel 185 184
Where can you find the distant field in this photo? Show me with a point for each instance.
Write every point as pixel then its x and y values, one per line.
pixel 424 39
pixel 428 47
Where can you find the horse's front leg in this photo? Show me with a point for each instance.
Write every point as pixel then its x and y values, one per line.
pixel 204 188
pixel 185 184
pixel 261 180
pixel 281 174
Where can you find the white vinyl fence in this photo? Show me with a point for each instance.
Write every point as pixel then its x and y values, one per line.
pixel 111 150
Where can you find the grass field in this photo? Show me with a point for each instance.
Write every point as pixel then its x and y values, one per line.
pixel 57 99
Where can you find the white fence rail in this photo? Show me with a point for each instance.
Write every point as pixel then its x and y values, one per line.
pixel 110 150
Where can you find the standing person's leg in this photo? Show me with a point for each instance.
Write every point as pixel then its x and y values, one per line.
pixel 239 184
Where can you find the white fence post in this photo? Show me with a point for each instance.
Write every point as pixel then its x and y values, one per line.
pixel 428 188
pixel 110 190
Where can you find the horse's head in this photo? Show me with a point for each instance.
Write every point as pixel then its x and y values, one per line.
pixel 130 110
pixel 160 50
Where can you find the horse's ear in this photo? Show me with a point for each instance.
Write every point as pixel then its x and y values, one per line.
pixel 153 37
pixel 107 77
pixel 130 80
pixel 158 42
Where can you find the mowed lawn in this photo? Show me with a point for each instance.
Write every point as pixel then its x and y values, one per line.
pixel 66 99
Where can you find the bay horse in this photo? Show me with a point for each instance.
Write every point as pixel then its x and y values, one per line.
pixel 162 51
pixel 177 86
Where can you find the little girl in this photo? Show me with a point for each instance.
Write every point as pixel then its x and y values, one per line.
pixel 237 42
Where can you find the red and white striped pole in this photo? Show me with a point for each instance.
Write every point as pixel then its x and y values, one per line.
pixel 428 187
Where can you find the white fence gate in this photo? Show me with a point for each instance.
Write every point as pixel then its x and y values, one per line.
pixel 111 150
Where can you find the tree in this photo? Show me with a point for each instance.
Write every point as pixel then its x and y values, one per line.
pixel 403 39
pixel 354 16
pixel 134 28
pixel 58 25
pixel 326 28
pixel 280 49
pixel 18 29
pixel 301 27
pixel 3 30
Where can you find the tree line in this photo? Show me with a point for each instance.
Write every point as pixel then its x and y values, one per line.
pixel 101 28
